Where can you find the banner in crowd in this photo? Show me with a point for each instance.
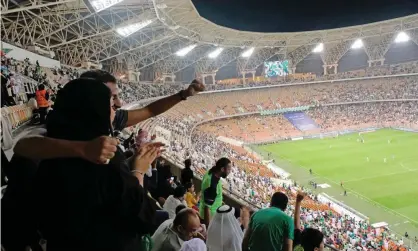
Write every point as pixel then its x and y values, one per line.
pixel 301 121
pixel 276 68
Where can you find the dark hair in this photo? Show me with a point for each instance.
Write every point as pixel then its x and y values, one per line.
pixel 102 76
pixel 187 163
pixel 221 163
pixel 41 87
pixel 179 208
pixel 311 238
pixel 188 185
pixel 179 191
pixel 279 200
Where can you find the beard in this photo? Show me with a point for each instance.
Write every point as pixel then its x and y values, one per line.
pixel 223 175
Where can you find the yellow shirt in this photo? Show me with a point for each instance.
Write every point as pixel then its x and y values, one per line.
pixel 190 199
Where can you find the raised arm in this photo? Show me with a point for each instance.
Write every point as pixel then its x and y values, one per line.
pixel 39 148
pixel 290 235
pixel 296 217
pixel 164 104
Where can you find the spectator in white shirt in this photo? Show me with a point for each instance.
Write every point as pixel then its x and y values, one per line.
pixel 175 200
pixel 185 227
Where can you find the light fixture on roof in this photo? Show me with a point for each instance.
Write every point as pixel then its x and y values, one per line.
pixel 247 53
pixel 215 53
pixel 132 28
pixel 401 37
pixel 357 44
pixel 318 48
pixel 99 5
pixel 183 52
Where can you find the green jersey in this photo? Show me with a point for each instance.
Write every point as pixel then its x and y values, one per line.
pixel 269 228
pixel 211 194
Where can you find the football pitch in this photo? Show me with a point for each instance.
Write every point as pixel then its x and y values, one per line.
pixel 379 174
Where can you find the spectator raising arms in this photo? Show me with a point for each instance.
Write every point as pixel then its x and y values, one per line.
pixel 45 148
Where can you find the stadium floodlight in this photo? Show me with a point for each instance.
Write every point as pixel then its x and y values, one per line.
pixel 215 53
pixel 357 44
pixel 247 53
pixel 318 48
pixel 132 28
pixel 185 50
pixel 99 5
pixel 401 37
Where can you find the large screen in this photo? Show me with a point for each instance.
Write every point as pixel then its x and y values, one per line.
pixel 276 68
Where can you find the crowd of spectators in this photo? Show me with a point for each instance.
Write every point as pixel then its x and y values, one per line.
pixel 342 232
pixel 144 193
pixel 132 91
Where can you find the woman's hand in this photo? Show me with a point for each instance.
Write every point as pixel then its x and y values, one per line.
pixel 146 155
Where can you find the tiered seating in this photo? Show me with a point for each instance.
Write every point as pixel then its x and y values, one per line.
pixel 16 115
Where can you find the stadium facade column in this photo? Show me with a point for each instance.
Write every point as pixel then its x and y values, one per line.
pixel 133 76
pixel 376 62
pixel 243 77
pixel 329 66
pixel 171 76
pixel 137 74
pixel 213 78
pixel 293 70
pixel 253 73
pixel 203 76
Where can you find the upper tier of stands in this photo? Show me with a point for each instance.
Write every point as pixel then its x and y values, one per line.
pixel 132 92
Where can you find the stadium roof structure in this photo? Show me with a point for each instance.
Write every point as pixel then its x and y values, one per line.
pixel 142 35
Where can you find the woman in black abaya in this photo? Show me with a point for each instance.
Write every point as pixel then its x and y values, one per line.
pixel 86 206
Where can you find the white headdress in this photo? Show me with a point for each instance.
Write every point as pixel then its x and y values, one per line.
pixel 224 232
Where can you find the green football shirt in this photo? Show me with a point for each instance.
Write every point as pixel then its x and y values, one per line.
pixel 211 194
pixel 269 229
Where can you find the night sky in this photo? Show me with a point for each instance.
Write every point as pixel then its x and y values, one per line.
pixel 301 15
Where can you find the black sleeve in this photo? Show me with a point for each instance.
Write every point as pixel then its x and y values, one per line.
pixel 121 118
pixel 210 192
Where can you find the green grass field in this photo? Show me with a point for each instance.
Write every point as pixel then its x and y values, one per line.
pixel 392 186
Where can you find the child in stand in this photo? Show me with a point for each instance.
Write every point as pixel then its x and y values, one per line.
pixel 191 198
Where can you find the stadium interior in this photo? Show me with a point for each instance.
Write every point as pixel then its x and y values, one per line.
pixel 223 122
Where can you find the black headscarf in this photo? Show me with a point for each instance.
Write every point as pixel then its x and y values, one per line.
pixel 86 206
pixel 81 111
